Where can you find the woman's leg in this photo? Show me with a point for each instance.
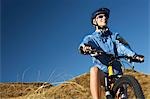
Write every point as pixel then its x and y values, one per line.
pixel 96 81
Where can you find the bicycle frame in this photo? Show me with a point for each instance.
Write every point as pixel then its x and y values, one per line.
pixel 111 77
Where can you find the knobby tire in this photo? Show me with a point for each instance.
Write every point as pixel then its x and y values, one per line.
pixel 128 79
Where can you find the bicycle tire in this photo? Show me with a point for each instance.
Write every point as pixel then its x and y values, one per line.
pixel 128 79
pixel 109 97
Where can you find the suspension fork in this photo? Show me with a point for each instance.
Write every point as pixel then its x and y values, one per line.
pixel 107 82
pixel 107 86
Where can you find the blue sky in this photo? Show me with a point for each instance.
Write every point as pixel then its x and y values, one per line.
pixel 40 38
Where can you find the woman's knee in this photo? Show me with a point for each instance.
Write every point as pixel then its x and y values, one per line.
pixel 94 69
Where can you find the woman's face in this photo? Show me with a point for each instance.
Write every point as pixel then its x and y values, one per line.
pixel 101 20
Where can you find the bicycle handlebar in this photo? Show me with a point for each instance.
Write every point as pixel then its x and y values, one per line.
pixel 95 52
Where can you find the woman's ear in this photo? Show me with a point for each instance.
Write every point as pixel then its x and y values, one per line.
pixel 94 22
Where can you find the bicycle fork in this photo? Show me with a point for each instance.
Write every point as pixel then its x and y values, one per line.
pixel 107 87
pixel 107 82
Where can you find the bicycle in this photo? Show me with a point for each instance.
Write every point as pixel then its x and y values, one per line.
pixel 119 86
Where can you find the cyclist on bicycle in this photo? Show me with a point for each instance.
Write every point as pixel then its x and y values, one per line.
pixel 111 43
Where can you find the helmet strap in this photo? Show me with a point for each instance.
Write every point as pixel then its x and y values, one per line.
pixel 103 29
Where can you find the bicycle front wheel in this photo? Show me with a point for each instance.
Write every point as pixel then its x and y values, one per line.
pixel 127 87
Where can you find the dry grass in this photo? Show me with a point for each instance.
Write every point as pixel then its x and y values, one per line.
pixel 18 89
pixel 77 88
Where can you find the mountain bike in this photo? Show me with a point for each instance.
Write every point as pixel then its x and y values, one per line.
pixel 119 86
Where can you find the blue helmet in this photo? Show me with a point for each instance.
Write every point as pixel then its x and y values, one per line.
pixel 105 11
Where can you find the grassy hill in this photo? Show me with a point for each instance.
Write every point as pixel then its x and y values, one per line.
pixel 76 88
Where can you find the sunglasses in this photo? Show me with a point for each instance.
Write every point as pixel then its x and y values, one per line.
pixel 101 16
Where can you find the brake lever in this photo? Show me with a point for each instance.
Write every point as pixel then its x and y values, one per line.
pixel 131 62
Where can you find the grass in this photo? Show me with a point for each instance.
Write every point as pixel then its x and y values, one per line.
pixel 76 88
